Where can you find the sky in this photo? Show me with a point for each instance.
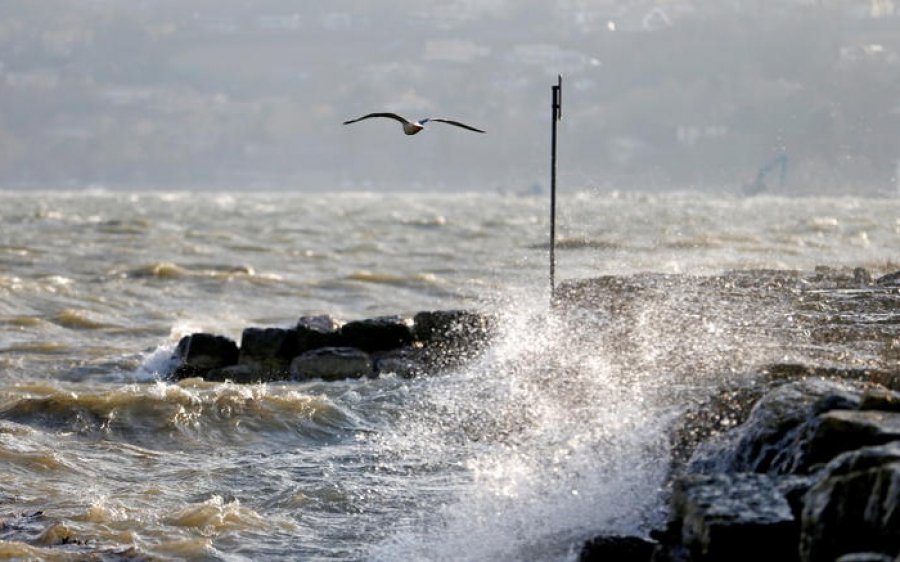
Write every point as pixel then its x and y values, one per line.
pixel 743 96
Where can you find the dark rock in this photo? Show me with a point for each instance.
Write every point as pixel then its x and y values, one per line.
pixel 862 276
pixel 855 506
pixel 865 557
pixel 406 362
pixel 836 432
pixel 332 363
pixel 768 440
pixel 314 332
pixel 244 374
pixel 880 399
pixel 453 327
pixel 452 337
pixel 889 279
pixel 377 334
pixel 199 353
pixel 734 517
pixel 617 548
pixel 794 489
pixel 269 350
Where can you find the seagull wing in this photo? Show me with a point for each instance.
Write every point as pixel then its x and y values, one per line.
pixel 370 115
pixel 452 122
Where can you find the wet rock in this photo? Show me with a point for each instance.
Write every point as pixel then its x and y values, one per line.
pixel 377 334
pixel 769 440
pixel 332 363
pixel 733 517
pixel 199 353
pixel 865 557
pixel 268 350
pixel 453 327
pixel 836 432
pixel 243 374
pixel 855 506
pixel 453 337
pixel 314 332
pixel 880 399
pixel 891 279
pixel 618 548
pixel 407 362
pixel 794 488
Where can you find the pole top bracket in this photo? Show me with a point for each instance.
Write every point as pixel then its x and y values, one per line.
pixel 557 97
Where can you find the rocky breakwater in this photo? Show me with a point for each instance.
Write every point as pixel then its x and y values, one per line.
pixel 319 347
pixel 810 471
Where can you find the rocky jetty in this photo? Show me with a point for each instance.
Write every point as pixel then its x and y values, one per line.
pixel 810 470
pixel 319 347
pixel 794 457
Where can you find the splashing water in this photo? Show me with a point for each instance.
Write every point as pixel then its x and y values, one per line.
pixel 550 445
pixel 559 431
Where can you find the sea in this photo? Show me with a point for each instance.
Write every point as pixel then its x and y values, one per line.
pixel 520 454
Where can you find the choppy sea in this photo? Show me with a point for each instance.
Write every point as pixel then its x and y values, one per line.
pixel 520 455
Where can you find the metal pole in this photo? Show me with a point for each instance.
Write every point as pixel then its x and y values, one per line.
pixel 555 116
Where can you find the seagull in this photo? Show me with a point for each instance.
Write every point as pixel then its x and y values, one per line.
pixel 413 127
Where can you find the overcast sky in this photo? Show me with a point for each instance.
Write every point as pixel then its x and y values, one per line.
pixel 793 95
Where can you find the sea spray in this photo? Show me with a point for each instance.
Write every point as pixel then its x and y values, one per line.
pixel 548 444
pixel 392 463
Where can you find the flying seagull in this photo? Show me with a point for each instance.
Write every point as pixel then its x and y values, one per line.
pixel 413 127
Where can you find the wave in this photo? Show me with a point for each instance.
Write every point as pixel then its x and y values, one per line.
pixel 216 515
pixel 169 270
pixel 192 410
pixel 78 320
pixel 380 278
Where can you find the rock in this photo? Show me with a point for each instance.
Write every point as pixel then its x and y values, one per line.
pixel 835 432
pixel 768 440
pixel 452 327
pixel 733 517
pixel 332 363
pixel 855 506
pixel 377 334
pixel 269 350
pixel 794 489
pixel 199 353
pixel 880 399
pixel 406 362
pixel 891 279
pixel 243 374
pixel 618 549
pixel 314 332
pixel 865 557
